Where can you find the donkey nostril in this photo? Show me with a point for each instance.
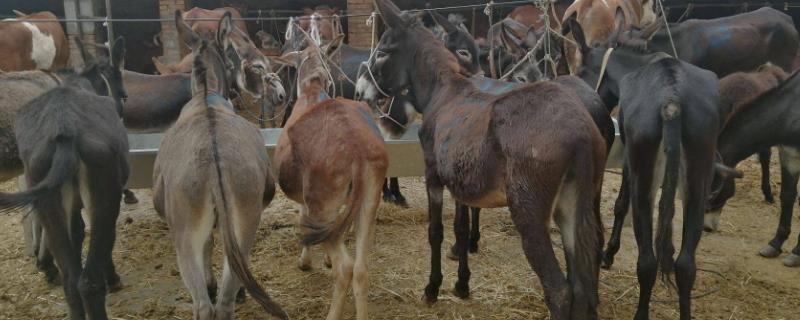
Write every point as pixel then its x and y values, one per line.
pixel 281 96
pixel 358 95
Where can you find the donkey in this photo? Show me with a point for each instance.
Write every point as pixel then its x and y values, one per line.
pixel 331 154
pixel 229 177
pixel 398 113
pixel 17 89
pixel 761 121
pixel 74 149
pixel 499 159
pixel 155 101
pixel 669 119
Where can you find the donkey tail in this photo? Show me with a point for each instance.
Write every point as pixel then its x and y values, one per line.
pixel 315 231
pixel 63 166
pixel 236 260
pixel 587 234
pixel 671 116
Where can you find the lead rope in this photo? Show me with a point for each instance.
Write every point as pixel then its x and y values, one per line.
pixel 383 115
pixel 606 56
pixel 669 33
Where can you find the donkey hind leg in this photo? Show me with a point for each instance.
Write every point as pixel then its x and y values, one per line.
pixel 365 235
pixel 695 197
pixel 190 237
pixel 394 187
pixel 245 226
pixel 304 263
pixel 643 189
pixel 435 237
pixel 576 217
pixel 461 226
pixel 764 159
pixel 789 177
pixel 342 276
pixel 101 195
pixel 622 209
pixel 531 212
pixel 211 281
pixel 474 234
pixel 53 219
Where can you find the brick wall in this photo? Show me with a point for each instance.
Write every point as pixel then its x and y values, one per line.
pixel 169 35
pixel 360 35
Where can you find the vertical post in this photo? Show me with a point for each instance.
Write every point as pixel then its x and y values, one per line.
pixel 109 24
pixel 76 9
pixel 359 34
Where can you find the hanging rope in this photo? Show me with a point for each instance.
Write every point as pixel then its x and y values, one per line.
pixel 669 33
pixel 492 68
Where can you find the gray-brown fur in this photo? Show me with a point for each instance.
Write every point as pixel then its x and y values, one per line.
pixel 332 155
pixel 212 168
pixel 534 149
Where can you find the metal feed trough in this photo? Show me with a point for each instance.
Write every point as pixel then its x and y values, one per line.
pixel 405 154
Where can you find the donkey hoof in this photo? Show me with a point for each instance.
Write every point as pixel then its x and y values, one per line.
pixel 792 260
pixel 114 287
pixel 711 221
pixel 241 296
pixel 473 247
pixel 769 252
pixel 130 198
pixel 400 201
pixel 304 266
pixel 431 295
pixel 451 254
pixel 327 260
pixel 769 198
pixel 461 290
pixel 52 278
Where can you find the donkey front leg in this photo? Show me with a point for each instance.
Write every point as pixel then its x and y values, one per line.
pixel 621 208
pixel 461 226
pixel 764 159
pixel 435 237
pixel 788 196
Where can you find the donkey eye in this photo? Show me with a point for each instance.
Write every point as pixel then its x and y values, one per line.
pixel 381 55
pixel 463 53
pixel 520 79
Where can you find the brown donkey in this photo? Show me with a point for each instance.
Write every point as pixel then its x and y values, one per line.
pixel 212 167
pixel 331 154
pixel 534 149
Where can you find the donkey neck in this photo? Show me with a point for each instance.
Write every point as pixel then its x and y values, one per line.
pixel 434 89
pixel 310 93
pixel 769 120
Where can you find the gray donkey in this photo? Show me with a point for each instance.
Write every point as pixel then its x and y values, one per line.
pixel 74 149
pixel 212 168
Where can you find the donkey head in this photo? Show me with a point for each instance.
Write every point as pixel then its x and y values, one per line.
pixel 722 189
pixel 311 62
pixel 209 68
pixel 458 40
pixel 105 73
pixel 249 68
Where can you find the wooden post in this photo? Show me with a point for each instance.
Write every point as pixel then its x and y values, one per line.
pixel 359 34
pixel 169 34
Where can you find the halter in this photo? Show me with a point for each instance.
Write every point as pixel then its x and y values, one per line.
pixel 606 56
pixel 382 115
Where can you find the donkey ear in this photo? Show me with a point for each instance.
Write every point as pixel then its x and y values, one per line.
pixel 619 25
pixel 443 22
pixel 333 45
pixel 390 13
pixel 185 33
pixel 572 26
pixel 224 29
pixel 87 57
pixel 510 40
pixel 18 13
pixel 291 59
pixel 118 53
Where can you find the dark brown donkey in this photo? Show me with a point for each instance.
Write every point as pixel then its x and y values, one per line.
pixel 534 149
pixel 329 155
pixel 766 120
pixel 212 168
pixel 75 152
pixel 670 120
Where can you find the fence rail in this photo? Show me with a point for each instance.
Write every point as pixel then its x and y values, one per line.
pixel 405 155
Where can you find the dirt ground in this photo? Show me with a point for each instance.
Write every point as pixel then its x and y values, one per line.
pixel 734 282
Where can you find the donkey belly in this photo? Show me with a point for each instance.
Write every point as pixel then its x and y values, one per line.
pixel 493 198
